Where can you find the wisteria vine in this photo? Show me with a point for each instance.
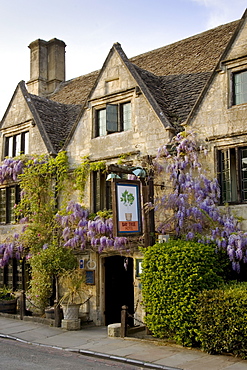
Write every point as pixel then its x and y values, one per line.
pixel 190 208
pixel 11 169
pixel 78 230
pixel 12 247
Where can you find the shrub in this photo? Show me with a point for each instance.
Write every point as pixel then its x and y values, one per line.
pixel 6 294
pixel 222 317
pixel 174 273
pixel 46 265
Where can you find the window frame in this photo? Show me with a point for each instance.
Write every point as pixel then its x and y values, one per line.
pixel 236 95
pixel 11 144
pixel 230 173
pixel 7 215
pixel 100 191
pixel 114 119
pixel 12 275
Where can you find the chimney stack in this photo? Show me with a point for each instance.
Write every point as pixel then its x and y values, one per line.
pixel 47 66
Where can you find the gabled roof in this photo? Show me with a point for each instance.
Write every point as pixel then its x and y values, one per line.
pixel 75 91
pixel 194 54
pixel 172 76
pixel 217 67
pixel 144 87
pixel 181 92
pixel 175 94
pixel 57 119
pixel 54 120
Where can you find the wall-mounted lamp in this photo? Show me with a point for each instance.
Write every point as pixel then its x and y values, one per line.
pixel 112 176
pixel 139 172
pixel 163 238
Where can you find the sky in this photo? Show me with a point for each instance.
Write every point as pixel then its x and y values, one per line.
pixel 90 28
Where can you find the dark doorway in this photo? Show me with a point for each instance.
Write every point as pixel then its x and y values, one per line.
pixel 119 288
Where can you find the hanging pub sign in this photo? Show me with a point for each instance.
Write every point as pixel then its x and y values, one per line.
pixel 127 207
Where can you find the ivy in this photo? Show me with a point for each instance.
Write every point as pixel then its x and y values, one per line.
pixel 48 264
pixel 122 158
pixel 41 180
pixel 82 172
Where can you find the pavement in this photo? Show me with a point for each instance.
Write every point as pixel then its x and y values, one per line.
pixel 94 341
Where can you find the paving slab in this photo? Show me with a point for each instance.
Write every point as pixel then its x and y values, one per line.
pixel 61 341
pixel 94 341
pixel 15 326
pixel 213 363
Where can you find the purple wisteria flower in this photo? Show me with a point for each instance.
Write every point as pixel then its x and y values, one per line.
pixel 10 169
pixel 11 248
pixel 78 230
pixel 190 208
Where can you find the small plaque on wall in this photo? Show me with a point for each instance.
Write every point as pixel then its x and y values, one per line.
pixel 90 277
pixel 82 264
pixel 139 267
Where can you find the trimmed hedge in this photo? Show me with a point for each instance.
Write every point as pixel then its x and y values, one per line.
pixel 222 320
pixel 174 273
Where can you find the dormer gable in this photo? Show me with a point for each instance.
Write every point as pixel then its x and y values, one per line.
pixel 19 128
pixel 114 76
pixel 233 60
pixel 35 125
pixel 118 82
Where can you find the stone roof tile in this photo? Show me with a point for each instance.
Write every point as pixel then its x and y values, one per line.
pixel 174 74
pixel 75 91
pixel 199 53
pixel 56 118
pixel 175 94
pixel 181 92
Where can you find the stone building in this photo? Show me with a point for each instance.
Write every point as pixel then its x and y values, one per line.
pixel 219 118
pixel 123 113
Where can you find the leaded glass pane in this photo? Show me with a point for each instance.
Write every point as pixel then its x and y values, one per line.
pixel 111 118
pixel 9 143
pixel 240 87
pixel 17 145
pixel 243 165
pixel 11 204
pixel 225 176
pixel 126 116
pixel 101 122
pixel 25 143
pixel 3 205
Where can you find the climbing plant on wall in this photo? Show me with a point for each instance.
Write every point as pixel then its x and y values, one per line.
pixel 82 172
pixel 190 206
pixel 45 231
